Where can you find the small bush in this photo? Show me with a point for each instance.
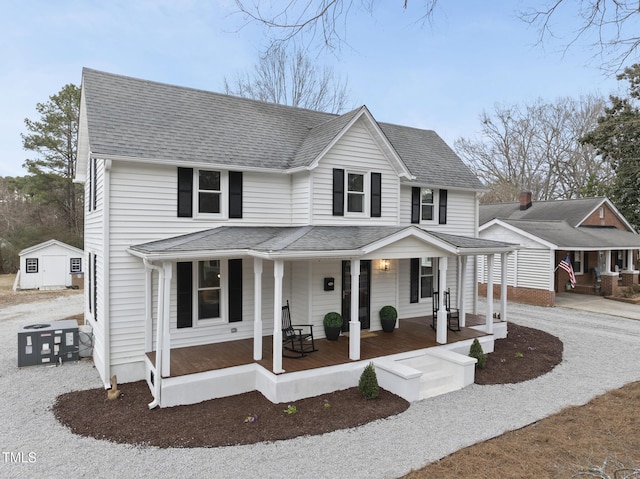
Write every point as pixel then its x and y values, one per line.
pixel 368 384
pixel 630 291
pixel 476 352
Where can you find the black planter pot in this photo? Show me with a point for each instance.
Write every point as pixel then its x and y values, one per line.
pixel 388 325
pixel 332 332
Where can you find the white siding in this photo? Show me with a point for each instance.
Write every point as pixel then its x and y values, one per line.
pixel 356 152
pixel 300 198
pixel 461 212
pixel 534 269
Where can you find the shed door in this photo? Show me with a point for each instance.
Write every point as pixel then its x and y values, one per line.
pixel 54 270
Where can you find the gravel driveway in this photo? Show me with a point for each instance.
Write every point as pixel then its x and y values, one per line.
pixel 601 353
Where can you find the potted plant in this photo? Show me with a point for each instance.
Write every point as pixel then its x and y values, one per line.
pixel 388 316
pixel 332 325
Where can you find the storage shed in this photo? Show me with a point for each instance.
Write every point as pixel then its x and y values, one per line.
pixel 50 265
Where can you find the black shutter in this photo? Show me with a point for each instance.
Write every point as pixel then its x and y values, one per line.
pixel 235 194
pixel 95 287
pixel 376 195
pixel 442 215
pixel 185 192
pixel 235 290
pixel 94 189
pixel 415 205
pixel 90 283
pixel 184 283
pixel 415 280
pixel 338 192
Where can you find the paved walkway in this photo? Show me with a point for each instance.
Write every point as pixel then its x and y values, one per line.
pixel 598 304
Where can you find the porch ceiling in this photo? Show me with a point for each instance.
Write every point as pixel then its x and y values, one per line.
pixel 309 242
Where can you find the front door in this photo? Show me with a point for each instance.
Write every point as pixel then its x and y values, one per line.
pixel 364 303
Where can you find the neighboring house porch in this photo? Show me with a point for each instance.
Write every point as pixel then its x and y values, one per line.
pixel 317 268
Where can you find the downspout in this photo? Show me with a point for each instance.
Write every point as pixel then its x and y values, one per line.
pixel 106 228
pixel 159 334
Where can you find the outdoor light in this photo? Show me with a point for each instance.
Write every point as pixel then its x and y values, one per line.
pixel 384 265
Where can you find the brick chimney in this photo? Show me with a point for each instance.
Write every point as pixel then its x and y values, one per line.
pixel 525 200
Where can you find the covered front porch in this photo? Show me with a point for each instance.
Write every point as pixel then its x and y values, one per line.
pixel 215 370
pixel 273 264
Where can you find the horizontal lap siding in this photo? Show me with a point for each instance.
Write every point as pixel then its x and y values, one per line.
pixel 300 198
pixel 143 208
pixel 534 269
pixel 355 152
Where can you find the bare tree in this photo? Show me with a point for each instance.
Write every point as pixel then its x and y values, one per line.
pixel 610 22
pixel 291 79
pixel 537 147
pixel 309 19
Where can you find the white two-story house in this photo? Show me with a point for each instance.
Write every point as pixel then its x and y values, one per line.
pixel 206 213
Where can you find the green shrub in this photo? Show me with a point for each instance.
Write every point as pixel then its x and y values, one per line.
pixel 476 352
pixel 388 313
pixel 368 384
pixel 332 319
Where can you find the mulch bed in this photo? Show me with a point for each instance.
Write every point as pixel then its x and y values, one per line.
pixel 250 418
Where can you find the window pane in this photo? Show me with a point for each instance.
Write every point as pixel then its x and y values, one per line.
pixel 209 180
pixel 426 266
pixel 427 196
pixel 209 202
pixel 209 274
pixel 356 182
pixel 355 202
pixel 426 286
pixel 209 304
pixel 427 212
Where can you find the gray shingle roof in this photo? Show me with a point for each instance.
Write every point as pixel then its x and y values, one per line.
pixel 571 211
pixel 294 239
pixel 564 236
pixel 165 123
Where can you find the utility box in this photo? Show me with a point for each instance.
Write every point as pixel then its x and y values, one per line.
pixel 48 343
pixel 77 280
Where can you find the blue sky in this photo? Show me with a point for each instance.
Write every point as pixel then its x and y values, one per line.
pixel 439 76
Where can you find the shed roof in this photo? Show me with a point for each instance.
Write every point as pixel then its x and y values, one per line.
pixel 305 240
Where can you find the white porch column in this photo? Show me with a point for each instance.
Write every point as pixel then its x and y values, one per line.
pixel 462 306
pixel 354 323
pixel 441 329
pixel 607 261
pixel 630 265
pixel 489 312
pixel 148 307
pixel 257 309
pixel 504 263
pixel 166 357
pixel 278 273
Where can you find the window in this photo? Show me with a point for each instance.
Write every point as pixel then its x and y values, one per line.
pixel 426 277
pixel 76 265
pixel 209 289
pixel 355 193
pixel 426 204
pixel 209 191
pixel 422 278
pixel 32 265
pixel 209 292
pixel 577 261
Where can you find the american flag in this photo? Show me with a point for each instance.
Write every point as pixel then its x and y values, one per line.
pixel 565 264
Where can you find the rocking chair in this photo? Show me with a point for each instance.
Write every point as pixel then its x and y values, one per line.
pixel 453 315
pixel 293 339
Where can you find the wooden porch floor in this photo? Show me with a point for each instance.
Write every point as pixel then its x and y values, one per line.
pixel 412 334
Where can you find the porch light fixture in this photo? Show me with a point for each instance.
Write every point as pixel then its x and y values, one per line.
pixel 384 265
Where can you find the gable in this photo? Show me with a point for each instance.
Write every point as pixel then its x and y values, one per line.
pixel 409 247
pixel 505 232
pixel 606 215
